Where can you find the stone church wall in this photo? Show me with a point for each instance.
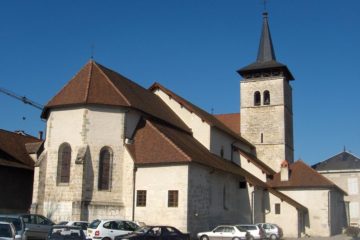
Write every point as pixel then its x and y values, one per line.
pixel 215 199
pixel 85 130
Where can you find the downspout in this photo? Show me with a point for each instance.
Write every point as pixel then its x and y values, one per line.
pixel 133 192
pixel 329 211
pixel 252 206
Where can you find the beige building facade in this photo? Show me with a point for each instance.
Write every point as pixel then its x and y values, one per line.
pixel 344 170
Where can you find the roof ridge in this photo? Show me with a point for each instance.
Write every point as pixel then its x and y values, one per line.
pixel 152 125
pixel 88 81
pixel 112 84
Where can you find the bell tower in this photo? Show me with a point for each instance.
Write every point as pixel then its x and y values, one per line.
pixel 266 104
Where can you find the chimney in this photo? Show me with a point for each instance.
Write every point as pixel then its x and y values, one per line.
pixel 284 171
pixel 40 135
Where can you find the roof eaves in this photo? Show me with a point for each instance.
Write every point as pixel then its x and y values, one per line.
pixel 265 168
pixel 213 122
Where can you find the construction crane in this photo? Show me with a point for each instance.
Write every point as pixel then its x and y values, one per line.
pixel 22 98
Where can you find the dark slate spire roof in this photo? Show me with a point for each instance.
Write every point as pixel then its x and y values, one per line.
pixel 341 161
pixel 266 51
pixel 266 60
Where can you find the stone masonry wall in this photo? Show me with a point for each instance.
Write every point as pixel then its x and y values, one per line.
pixel 91 129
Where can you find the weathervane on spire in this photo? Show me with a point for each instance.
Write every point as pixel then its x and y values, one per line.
pixel 92 51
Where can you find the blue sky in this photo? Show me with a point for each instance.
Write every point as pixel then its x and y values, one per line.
pixel 194 48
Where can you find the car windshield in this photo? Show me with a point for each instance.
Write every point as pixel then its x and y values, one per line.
pixel 94 224
pixel 5 231
pixel 15 221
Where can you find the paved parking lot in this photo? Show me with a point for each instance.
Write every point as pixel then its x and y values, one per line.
pixel 336 237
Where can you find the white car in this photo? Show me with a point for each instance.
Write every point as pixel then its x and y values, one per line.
pixel 256 232
pixel 224 232
pixel 83 224
pixel 109 229
pixel 7 231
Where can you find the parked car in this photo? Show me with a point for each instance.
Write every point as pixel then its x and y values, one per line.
pixel 18 224
pixel 272 231
pixel 108 229
pixel 7 231
pixel 64 232
pixel 255 231
pixel 82 224
pixel 155 233
pixel 29 226
pixel 224 232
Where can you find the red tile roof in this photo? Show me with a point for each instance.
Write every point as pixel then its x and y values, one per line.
pixel 205 116
pixel 231 120
pixel 180 147
pixel 98 85
pixel 177 147
pixel 302 176
pixel 13 150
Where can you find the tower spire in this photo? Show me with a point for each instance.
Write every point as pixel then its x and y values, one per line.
pixel 266 51
pixel 265 64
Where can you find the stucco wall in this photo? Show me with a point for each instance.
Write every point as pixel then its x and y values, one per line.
pixel 288 218
pixel 342 179
pixel 200 129
pixel 317 222
pixel 251 167
pixel 157 181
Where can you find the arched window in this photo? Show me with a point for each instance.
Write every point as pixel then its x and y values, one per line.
pixel 105 169
pixel 64 161
pixel 257 99
pixel 266 97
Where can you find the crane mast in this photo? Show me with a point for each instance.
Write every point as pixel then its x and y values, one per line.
pixel 22 98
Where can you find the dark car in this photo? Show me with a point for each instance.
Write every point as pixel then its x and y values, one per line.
pixel 155 233
pixel 29 226
pixel 65 232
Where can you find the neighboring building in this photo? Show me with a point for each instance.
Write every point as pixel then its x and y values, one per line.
pixel 324 200
pixel 116 149
pixel 344 170
pixel 16 170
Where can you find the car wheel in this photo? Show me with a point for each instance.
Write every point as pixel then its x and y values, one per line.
pixel 204 237
pixel 106 238
pixel 272 237
pixel 250 238
pixel 236 238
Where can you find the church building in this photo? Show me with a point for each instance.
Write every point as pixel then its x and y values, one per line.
pixel 115 149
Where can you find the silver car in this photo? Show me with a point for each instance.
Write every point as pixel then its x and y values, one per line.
pixel 272 231
pixel 255 231
pixel 29 226
pixel 223 232
pixel 7 231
